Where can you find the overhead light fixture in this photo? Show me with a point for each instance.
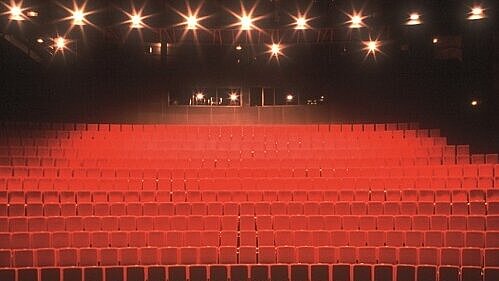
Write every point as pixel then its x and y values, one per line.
pixel 199 96
pixel 192 22
pixel 289 98
pixel 435 40
pixel 136 21
pixel 16 12
pixel 78 17
pixel 301 23
pixel 246 22
pixel 233 97
pixel 356 20
pixel 275 49
pixel 32 14
pixel 414 19
pixel 39 40
pixel 476 13
pixel 239 47
pixel 372 47
pixel 60 43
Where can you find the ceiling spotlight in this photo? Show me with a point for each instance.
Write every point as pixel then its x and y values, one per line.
pixel 32 14
pixel 233 97
pixel 435 40
pixel 289 98
pixel 16 12
pixel 356 20
pixel 199 96
pixel 246 22
pixel 372 47
pixel 414 19
pixel 60 43
pixel 476 13
pixel 192 22
pixel 39 40
pixel 301 23
pixel 136 21
pixel 78 17
pixel 275 49
pixel 239 47
pixel 474 103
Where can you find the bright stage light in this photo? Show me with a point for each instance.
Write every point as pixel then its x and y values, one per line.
pixel 372 47
pixel 78 17
pixel 199 96
pixel 136 21
pixel 356 20
pixel 301 23
pixel 39 40
pixel 192 22
pixel 246 22
pixel 239 47
pixel 474 103
pixel 435 40
pixel 32 14
pixel 476 13
pixel 60 43
pixel 233 97
pixel 275 49
pixel 289 98
pixel 414 19
pixel 16 12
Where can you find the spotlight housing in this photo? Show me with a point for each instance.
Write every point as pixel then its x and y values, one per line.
pixel 192 22
pixel 275 49
pixel 78 17
pixel 60 43
pixel 16 12
pixel 233 97
pixel 199 96
pixel 414 19
pixel 136 21
pixel 476 13
pixel 289 98
pixel 356 20
pixel 246 22
pixel 372 47
pixel 301 23
pixel 32 14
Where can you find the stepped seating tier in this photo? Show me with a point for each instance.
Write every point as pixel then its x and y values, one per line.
pixel 150 202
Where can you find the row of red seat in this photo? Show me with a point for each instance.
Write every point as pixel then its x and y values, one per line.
pixel 311 199
pixel 36 138
pixel 206 129
pixel 168 146
pixel 248 255
pixel 167 142
pixel 299 163
pixel 183 223
pixel 354 238
pixel 227 184
pixel 249 209
pixel 440 171
pixel 238 272
pixel 181 149
pixel 239 135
